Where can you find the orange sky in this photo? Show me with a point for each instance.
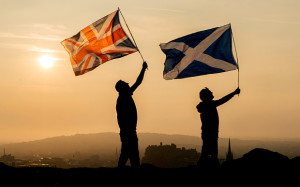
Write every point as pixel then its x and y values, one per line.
pixel 38 102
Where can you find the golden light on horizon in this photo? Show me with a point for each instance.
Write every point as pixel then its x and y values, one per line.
pixel 46 61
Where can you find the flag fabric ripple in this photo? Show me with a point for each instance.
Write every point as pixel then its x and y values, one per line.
pixel 98 43
pixel 200 53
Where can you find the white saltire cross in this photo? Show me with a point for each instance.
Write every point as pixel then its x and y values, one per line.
pixel 197 54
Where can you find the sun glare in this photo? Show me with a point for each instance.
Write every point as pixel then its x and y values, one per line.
pixel 46 61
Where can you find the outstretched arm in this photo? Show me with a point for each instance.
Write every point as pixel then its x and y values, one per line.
pixel 227 97
pixel 140 78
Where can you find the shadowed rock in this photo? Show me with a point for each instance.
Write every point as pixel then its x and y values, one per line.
pixel 264 155
pixel 259 159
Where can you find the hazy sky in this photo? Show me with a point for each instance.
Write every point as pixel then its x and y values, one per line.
pixel 38 102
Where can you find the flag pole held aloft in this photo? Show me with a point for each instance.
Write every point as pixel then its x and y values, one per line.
pixel 237 59
pixel 131 34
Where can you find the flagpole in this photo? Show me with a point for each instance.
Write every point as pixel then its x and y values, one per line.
pixel 131 35
pixel 237 59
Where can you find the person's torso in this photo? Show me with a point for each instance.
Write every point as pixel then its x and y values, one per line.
pixel 126 112
pixel 209 116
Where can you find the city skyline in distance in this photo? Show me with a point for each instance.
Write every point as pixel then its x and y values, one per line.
pixel 105 144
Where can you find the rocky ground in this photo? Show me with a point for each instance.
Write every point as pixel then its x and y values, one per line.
pixel 259 166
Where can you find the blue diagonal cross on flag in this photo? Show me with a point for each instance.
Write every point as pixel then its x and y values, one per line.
pixel 200 53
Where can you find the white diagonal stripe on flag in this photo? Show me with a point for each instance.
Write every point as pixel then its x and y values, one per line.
pixel 196 53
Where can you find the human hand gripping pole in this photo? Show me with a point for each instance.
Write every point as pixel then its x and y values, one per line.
pixel 237 91
pixel 145 65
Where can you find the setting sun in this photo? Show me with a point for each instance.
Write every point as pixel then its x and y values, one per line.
pixel 46 61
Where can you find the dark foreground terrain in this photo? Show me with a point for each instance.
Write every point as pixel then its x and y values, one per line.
pixel 258 167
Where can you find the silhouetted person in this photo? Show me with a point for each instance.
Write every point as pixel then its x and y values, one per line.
pixel 210 125
pixel 127 120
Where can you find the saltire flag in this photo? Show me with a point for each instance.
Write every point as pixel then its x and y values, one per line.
pixel 98 43
pixel 200 53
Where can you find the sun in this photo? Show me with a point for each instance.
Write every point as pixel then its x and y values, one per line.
pixel 46 61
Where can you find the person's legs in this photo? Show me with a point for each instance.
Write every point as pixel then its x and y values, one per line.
pixel 205 148
pixel 124 152
pixel 204 152
pixel 214 148
pixel 209 153
pixel 134 151
pixel 214 152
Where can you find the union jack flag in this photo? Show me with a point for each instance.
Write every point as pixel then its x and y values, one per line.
pixel 98 43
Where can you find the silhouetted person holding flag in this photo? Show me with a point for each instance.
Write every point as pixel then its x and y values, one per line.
pixel 210 125
pixel 127 120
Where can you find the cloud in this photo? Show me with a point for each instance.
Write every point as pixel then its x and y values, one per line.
pixel 275 21
pixel 26 37
pixel 41 50
pixel 37 32
pixel 166 10
pixel 27 47
pixel 45 28
pixel 29 36
pixel 163 10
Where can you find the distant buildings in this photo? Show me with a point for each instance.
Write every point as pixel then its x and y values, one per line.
pixel 169 156
pixel 7 159
pixel 54 162
pixel 229 155
pixel 165 156
pixel 93 161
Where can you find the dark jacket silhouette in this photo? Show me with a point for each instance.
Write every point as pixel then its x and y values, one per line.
pixel 210 123
pixel 127 120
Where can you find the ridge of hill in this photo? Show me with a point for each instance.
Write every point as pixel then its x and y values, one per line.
pixel 108 143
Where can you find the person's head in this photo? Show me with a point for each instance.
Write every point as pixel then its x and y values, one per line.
pixel 122 86
pixel 206 95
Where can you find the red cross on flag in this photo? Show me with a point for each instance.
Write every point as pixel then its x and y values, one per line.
pixel 98 43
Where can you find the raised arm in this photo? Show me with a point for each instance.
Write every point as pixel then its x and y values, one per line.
pixel 227 97
pixel 140 78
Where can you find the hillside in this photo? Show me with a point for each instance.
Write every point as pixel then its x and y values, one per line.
pixel 257 167
pixel 106 145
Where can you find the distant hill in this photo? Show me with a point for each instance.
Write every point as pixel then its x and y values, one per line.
pixel 107 144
